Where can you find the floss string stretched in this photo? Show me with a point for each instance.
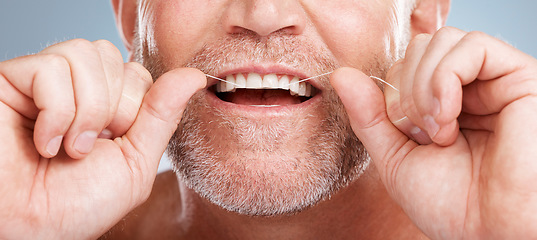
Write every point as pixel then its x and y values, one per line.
pixel 320 75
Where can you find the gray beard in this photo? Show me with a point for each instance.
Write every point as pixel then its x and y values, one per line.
pixel 263 168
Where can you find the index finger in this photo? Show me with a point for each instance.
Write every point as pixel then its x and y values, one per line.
pixel 482 60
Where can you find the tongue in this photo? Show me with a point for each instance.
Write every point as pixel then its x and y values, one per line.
pixel 261 97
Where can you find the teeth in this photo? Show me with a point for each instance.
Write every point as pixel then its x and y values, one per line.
pixel 229 84
pixel 240 81
pixel 284 82
pixel 254 81
pixel 294 87
pixel 269 81
pixel 302 89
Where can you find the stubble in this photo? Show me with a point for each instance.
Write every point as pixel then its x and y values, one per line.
pixel 270 167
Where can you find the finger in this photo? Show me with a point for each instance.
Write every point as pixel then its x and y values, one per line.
pixel 365 106
pixel 478 98
pixel 478 57
pixel 158 118
pixel 392 96
pixel 393 107
pixel 91 95
pixel 414 54
pixel 136 84
pixel 39 87
pixel 441 43
pixel 112 62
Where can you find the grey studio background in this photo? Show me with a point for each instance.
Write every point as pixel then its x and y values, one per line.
pixel 28 26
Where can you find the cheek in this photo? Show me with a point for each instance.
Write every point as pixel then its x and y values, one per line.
pixel 181 28
pixel 357 31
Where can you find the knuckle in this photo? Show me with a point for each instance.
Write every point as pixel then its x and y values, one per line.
pixel 105 44
pixel 419 40
pixel 448 34
pixel 154 111
pixel 70 47
pixel 55 61
pixel 66 112
pixel 108 49
pixel 83 46
pixel 55 67
pixel 475 36
pixel 80 43
pixel 447 31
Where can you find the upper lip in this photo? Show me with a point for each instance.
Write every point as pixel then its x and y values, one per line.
pixel 264 69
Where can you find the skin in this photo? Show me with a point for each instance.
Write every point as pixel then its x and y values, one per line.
pixel 462 177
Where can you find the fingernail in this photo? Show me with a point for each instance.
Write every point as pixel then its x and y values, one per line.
pixel 105 134
pixel 431 125
pixel 53 146
pixel 420 136
pixel 84 142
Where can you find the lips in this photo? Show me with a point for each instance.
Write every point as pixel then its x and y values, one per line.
pixel 265 90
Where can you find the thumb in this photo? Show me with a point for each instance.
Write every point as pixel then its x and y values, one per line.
pixel 365 105
pixel 158 117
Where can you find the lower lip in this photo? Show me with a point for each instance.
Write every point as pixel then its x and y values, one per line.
pixel 263 111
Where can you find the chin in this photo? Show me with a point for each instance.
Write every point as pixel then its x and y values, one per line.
pixel 266 161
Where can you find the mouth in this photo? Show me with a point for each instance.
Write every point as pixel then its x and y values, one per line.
pixel 270 90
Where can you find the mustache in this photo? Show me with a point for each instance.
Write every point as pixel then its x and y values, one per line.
pixel 246 48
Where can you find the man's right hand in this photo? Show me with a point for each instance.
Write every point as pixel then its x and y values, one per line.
pixel 112 122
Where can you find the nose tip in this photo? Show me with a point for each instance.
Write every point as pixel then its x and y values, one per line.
pixel 265 17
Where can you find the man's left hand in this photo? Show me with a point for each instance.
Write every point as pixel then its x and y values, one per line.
pixel 456 146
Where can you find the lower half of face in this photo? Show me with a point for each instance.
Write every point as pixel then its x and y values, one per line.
pixel 264 150
pixel 265 166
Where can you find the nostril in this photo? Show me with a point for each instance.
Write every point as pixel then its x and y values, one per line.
pixel 264 17
pixel 236 30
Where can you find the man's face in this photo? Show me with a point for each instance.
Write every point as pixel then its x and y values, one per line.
pixel 268 150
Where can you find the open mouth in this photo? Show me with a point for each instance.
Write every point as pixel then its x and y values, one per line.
pixel 264 90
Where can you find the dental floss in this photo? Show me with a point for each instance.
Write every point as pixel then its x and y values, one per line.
pixel 303 80
pixel 217 78
pixel 382 81
pixel 395 122
pixel 306 79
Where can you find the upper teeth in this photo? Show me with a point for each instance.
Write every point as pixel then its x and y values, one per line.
pixel 269 81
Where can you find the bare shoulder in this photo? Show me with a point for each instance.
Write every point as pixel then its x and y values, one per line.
pixel 151 219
